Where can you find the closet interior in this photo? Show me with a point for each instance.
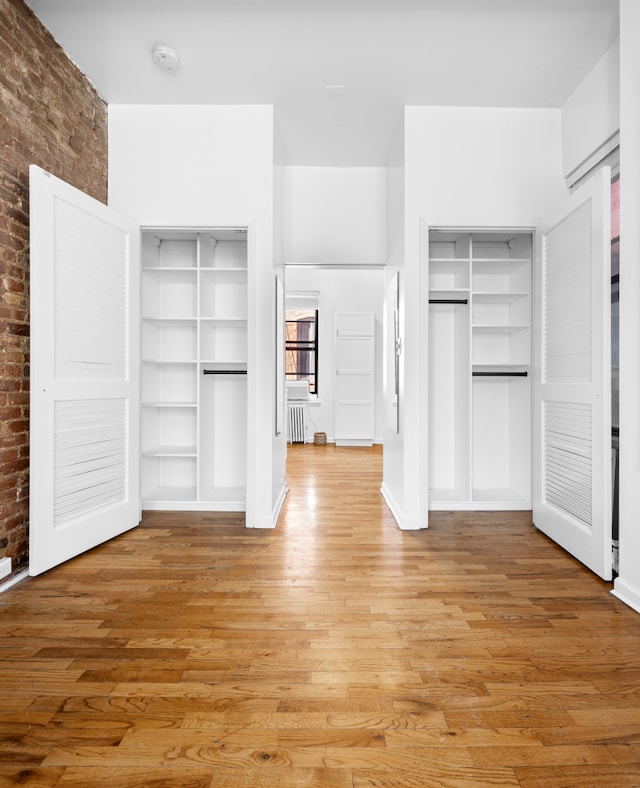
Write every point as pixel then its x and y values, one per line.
pixel 194 369
pixel 480 337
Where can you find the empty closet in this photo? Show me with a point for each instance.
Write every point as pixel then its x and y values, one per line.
pixel 479 369
pixel 194 369
pixel 518 362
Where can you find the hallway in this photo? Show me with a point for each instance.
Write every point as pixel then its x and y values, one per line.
pixel 336 651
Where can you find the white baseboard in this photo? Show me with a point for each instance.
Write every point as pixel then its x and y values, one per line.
pixel 627 594
pixel 279 504
pixel 14 580
pixel 391 502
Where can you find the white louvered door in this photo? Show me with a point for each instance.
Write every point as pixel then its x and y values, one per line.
pixel 84 485
pixel 572 477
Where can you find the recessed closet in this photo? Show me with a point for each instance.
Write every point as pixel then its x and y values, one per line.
pixel 479 369
pixel 194 369
pixel 518 403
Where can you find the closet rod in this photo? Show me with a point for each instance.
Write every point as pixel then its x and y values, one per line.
pixel 224 371
pixel 477 374
pixel 448 300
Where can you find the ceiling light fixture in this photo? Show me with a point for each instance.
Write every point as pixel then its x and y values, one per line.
pixel 165 58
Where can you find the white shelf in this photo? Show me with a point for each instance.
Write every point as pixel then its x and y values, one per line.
pixel 170 362
pixel 498 296
pixel 174 363
pixel 169 320
pixel 170 451
pixel 168 404
pixel 165 269
pixel 180 320
pixel 232 322
pixel 498 328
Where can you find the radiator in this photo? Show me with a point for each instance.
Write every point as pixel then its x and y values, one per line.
pixel 297 423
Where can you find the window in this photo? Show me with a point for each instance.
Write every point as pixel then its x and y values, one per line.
pixel 301 346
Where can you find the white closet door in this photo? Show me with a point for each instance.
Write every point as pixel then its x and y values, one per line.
pixel 84 373
pixel 572 498
pixel 354 382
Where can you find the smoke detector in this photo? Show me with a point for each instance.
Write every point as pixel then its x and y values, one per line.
pixel 165 58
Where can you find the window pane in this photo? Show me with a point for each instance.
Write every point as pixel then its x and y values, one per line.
pixel 301 360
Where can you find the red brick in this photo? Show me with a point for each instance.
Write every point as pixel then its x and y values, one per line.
pixel 51 117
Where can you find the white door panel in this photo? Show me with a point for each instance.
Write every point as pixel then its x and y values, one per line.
pixel 354 354
pixel 354 362
pixel 572 500
pixel 84 373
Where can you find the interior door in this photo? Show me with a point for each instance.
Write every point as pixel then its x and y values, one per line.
pixel 84 486
pixel 354 381
pixel 572 477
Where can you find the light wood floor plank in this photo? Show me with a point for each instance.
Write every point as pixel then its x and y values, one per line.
pixel 335 651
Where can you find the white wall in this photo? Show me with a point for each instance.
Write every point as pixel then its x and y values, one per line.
pixel 475 166
pixel 211 165
pixel 627 585
pixel 349 290
pixel 591 115
pixel 393 457
pixel 502 164
pixel 185 162
pixel 279 446
pixel 335 215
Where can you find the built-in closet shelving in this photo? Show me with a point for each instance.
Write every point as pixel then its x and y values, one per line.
pixel 480 369
pixel 194 369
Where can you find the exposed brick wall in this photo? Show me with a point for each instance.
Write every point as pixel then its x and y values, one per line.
pixel 50 115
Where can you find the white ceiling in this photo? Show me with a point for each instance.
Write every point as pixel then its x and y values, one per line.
pixel 386 53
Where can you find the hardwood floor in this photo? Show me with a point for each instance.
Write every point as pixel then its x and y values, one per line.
pixel 334 651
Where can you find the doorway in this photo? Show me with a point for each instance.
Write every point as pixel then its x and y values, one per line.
pixel 334 290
